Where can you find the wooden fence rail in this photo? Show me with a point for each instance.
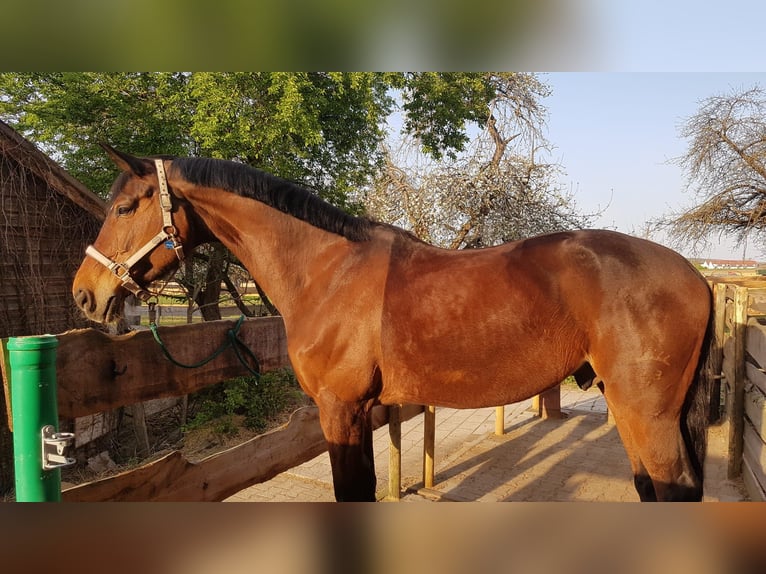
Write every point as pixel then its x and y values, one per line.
pixel 97 372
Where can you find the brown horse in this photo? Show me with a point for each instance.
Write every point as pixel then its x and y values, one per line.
pixel 373 315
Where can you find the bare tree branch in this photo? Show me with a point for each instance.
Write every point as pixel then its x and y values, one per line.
pixel 725 166
pixel 495 192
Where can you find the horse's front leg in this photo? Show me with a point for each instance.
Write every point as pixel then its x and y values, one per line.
pixel 348 430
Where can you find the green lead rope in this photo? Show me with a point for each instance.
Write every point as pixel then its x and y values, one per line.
pixel 232 340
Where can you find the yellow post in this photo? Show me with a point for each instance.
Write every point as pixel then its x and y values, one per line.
pixel 395 453
pixel 429 444
pixel 500 420
pixel 536 407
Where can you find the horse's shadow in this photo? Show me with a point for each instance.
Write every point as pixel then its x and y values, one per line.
pixel 576 458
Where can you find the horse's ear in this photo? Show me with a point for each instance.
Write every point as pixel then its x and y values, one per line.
pixel 127 162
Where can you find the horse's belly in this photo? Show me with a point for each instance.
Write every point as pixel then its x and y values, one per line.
pixel 472 382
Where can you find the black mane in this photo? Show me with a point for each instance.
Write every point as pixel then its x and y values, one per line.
pixel 276 192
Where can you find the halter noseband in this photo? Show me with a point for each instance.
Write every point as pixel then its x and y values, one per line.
pixel 167 235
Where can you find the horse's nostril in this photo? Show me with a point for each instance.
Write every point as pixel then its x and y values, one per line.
pixel 84 299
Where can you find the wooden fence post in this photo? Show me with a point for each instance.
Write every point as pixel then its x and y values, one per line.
pixel 736 398
pixel 429 444
pixel 138 415
pixel 500 420
pixel 395 453
pixel 547 405
pixel 716 351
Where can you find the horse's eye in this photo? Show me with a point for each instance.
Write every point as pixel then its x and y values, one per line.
pixel 123 210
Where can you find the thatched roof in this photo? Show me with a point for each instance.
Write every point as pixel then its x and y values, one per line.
pixel 15 146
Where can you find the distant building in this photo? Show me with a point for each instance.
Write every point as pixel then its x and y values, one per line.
pixel 726 263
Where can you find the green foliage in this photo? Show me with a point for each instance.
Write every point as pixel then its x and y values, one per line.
pixel 323 129
pixel 258 401
pixel 438 105
pixel 319 128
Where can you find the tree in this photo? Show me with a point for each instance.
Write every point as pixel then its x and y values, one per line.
pixel 499 189
pixel 725 166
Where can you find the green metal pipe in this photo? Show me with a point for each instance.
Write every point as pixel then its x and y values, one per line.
pixel 34 405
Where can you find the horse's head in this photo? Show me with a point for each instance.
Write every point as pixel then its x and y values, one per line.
pixel 145 233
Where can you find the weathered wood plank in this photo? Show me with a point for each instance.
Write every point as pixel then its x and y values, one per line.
pixel 96 372
pixel 756 341
pixel 174 478
pixel 728 319
pixel 754 490
pixel 754 454
pixel 756 376
pixel 755 409
pixel 751 282
pixel 727 365
pixel 756 304
pixel 731 289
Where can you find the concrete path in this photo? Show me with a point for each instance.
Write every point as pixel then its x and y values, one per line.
pixel 579 458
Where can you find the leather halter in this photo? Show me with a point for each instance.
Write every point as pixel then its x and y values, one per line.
pixel 167 235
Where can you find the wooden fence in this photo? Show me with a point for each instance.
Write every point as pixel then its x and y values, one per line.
pixel 96 372
pixel 740 326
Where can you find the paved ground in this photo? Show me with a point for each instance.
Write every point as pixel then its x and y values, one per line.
pixel 579 458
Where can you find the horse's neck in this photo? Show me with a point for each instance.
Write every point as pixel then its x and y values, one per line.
pixel 281 252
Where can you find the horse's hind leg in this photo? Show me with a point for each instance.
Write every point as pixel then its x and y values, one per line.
pixel 663 452
pixel 348 430
pixel 652 437
pixel 641 479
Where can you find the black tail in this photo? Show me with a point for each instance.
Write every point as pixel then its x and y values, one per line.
pixel 696 411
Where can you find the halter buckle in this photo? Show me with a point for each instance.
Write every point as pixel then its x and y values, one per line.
pixel 165 202
pixel 121 271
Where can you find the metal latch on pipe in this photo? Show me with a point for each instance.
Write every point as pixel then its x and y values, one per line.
pixel 54 448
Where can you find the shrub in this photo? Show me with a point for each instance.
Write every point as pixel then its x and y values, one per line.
pixel 258 401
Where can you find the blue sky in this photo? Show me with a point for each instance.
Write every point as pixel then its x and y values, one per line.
pixel 676 35
pixel 614 133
